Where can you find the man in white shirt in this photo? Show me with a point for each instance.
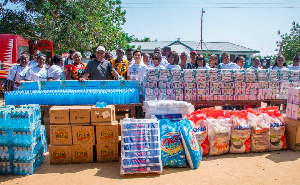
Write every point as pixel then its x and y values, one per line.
pixel 296 62
pixel 226 64
pixel 137 70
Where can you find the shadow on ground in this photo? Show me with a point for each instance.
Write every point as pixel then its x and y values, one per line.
pixel 230 155
pixel 114 172
pixel 283 156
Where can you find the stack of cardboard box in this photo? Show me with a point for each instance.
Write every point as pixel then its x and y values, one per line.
pixel 107 133
pixel 72 137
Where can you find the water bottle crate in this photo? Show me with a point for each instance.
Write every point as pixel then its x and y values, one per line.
pixel 6 166
pixel 28 166
pixel 6 151
pixel 4 117
pixel 24 137
pixel 36 110
pixel 27 152
pixel 6 135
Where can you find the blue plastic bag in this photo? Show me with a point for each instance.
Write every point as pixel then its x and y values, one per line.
pixel 190 143
pixel 172 151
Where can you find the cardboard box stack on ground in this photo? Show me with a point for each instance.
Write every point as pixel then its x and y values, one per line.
pixel 73 138
pixel 292 130
pixel 107 133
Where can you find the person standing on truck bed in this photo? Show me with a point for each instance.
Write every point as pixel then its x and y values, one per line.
pixel 17 73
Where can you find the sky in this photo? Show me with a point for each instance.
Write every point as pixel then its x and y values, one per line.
pixel 250 23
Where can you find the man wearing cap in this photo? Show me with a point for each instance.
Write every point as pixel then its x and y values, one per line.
pixel 193 64
pixel 99 68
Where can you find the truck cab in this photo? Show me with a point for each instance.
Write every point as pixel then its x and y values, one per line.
pixel 12 46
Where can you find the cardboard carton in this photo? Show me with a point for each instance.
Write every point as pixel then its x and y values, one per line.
pixel 106 123
pixel 59 115
pixel 296 95
pixel 60 135
pixel 82 153
pixel 60 154
pixel 107 114
pixel 80 115
pixel 295 112
pixel 289 108
pixel 292 130
pixel 107 133
pixel 107 152
pixel 83 135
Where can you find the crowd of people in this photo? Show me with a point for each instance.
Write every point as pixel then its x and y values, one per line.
pixel 103 66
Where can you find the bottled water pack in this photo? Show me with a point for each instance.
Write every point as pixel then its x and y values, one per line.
pixel 22 139
pixel 73 97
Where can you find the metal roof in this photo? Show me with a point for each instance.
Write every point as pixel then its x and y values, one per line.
pixel 193 45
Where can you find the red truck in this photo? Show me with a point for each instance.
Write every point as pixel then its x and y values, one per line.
pixel 12 46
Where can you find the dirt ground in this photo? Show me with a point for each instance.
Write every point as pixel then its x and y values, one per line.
pixel 281 167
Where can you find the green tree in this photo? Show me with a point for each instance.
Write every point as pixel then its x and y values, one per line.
pixel 17 22
pixel 79 24
pixel 290 43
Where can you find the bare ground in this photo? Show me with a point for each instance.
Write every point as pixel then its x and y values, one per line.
pixel 281 167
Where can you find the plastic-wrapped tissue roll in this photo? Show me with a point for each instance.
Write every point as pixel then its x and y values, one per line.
pixel 140 147
pixel 163 107
pixel 191 147
pixel 172 151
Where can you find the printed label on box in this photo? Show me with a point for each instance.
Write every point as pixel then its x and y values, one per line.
pixel 105 114
pixel 61 135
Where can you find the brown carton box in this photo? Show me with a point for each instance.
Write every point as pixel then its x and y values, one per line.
pixel 107 152
pixel 80 115
pixel 59 115
pixel 83 135
pixel 60 154
pixel 82 153
pixel 107 114
pixel 60 135
pixel 106 123
pixel 107 134
pixel 292 130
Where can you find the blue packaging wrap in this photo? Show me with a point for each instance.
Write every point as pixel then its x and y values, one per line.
pixel 134 139
pixel 190 143
pixel 172 151
pixel 140 147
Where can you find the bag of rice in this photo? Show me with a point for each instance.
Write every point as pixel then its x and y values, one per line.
pixel 277 128
pixel 219 135
pixel 260 132
pixel 191 147
pixel 172 151
pixel 277 135
pixel 240 135
pixel 200 124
